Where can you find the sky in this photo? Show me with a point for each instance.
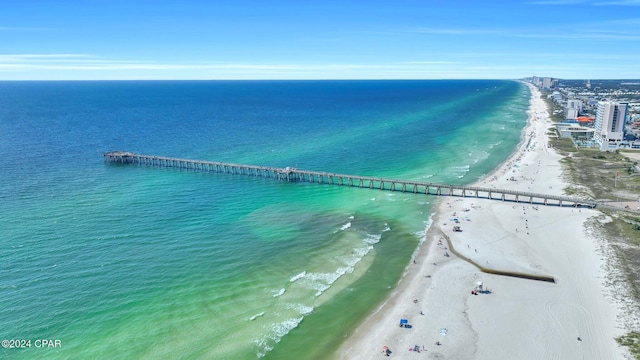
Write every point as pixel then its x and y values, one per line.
pixel 328 39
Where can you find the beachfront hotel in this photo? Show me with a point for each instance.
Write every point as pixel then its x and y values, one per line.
pixel 609 125
pixel 544 82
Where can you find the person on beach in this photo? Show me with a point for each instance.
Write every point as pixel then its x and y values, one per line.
pixel 386 351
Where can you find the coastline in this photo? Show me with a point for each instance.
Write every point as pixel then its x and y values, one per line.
pixel 574 317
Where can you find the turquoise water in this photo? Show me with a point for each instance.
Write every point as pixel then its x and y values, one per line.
pixel 133 262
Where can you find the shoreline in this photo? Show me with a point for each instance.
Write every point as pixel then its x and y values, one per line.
pixel 574 317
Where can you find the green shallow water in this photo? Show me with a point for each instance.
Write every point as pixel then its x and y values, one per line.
pixel 131 262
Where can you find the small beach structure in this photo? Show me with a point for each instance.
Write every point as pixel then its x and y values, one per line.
pixel 479 288
pixel 457 229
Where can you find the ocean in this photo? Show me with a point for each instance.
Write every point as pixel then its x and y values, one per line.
pixel 122 262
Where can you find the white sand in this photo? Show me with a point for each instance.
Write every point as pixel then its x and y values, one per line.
pixel 519 318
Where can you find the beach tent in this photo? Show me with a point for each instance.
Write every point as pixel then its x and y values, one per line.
pixel 479 286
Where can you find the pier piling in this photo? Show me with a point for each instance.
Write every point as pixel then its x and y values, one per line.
pixel 290 174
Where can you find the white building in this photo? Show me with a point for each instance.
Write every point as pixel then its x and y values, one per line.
pixel 573 109
pixel 536 81
pixel 575 104
pixel 570 113
pixel 574 131
pixel 609 125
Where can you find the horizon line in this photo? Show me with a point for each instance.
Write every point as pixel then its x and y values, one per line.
pixel 315 79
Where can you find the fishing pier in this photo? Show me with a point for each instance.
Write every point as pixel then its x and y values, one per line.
pixel 289 174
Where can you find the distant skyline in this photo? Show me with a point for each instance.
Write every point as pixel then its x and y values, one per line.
pixel 403 39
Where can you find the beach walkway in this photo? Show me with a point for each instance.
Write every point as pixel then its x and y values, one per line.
pixel 290 174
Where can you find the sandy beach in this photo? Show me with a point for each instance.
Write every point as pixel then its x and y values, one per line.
pixel 575 317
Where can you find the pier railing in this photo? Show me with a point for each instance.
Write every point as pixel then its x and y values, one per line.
pixel 290 174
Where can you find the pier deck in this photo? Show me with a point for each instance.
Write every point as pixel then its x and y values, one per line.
pixel 289 174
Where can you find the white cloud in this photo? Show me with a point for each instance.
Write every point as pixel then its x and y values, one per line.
pixel 27 57
pixel 84 62
pixel 611 30
pixel 470 65
pixel 618 3
pixel 429 62
pixel 457 31
pixel 556 2
pixel 586 2
pixel 18 28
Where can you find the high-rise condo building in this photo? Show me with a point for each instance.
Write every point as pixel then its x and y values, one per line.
pixel 573 109
pixel 609 125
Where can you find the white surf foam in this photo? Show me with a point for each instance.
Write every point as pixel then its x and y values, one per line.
pixel 301 308
pixel 322 281
pixel 347 225
pixel 494 145
pixel 276 332
pixel 283 328
pixel 256 316
pixel 373 239
pixel 324 277
pixel 263 347
pixel 321 289
pixel 479 155
pixel 459 171
pixel 298 277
